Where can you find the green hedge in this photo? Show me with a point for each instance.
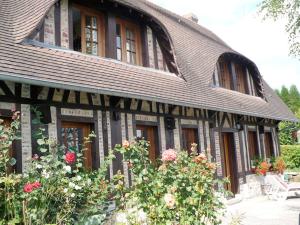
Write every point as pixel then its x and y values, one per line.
pixel 291 156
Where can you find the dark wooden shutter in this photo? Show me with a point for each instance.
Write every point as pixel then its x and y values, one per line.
pixel 241 78
pixel 225 75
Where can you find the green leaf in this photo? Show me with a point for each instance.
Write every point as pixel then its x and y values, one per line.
pixel 43 150
pixel 40 141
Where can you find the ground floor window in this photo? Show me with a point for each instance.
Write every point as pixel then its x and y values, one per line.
pixel 72 135
pixel 269 145
pixel 253 147
pixel 150 134
pixel 189 136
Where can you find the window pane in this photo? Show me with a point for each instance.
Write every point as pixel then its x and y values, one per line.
pixel 128 57
pixel 88 48
pixel 94 22
pixel 132 35
pixel 95 36
pixel 128 46
pixel 118 42
pixel 119 54
pixel 87 34
pixel 88 21
pixel 95 49
pixel 76 30
pixel 133 46
pixel 133 58
pixel 128 33
pixel 118 30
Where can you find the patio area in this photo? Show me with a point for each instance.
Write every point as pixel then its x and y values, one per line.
pixel 262 211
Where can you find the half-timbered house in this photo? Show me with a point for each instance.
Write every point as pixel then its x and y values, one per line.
pixel 129 68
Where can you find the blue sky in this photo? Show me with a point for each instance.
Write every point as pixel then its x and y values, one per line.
pixel 238 24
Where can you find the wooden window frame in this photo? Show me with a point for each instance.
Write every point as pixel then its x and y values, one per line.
pixel 85 11
pixel 138 41
pixel 143 125
pixel 194 129
pixel 255 152
pixel 88 154
pixel 267 135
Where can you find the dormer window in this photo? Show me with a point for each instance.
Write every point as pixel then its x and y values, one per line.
pixel 100 30
pixel 128 42
pixel 234 74
pixel 88 31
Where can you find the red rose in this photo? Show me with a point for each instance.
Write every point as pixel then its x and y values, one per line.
pixel 28 188
pixel 70 157
pixel 36 184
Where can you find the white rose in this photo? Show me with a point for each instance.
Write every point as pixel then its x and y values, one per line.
pixel 78 178
pixel 39 166
pixel 65 190
pixel 89 181
pixel 169 200
pixel 72 195
pixel 45 174
pixel 71 185
pixel 121 218
pixel 68 169
pixel 142 216
pixel 77 187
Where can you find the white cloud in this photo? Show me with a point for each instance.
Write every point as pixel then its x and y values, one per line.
pixel 238 24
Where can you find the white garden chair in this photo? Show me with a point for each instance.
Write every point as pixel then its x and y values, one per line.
pixel 280 190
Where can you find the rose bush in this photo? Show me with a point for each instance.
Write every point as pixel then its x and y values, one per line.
pixel 55 188
pixel 177 189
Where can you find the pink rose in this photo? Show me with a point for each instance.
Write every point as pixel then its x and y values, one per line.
pixel 28 188
pixel 35 157
pixel 70 157
pixel 16 115
pixel 169 155
pixel 169 200
pixel 36 185
pixel 126 144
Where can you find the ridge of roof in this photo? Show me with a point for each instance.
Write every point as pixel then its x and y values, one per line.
pixel 196 55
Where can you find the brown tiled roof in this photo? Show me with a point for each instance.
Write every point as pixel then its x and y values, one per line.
pixel 196 50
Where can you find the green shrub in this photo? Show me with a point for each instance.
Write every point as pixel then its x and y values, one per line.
pixel 291 156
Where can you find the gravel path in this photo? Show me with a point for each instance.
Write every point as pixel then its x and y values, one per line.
pixel 262 211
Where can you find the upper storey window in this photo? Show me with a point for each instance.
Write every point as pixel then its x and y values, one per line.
pixel 234 75
pixel 98 29
pixel 128 42
pixel 88 32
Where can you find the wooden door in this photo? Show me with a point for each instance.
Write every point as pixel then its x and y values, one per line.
pixel 73 135
pixel 229 157
pixel 269 145
pixel 189 136
pixel 150 134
